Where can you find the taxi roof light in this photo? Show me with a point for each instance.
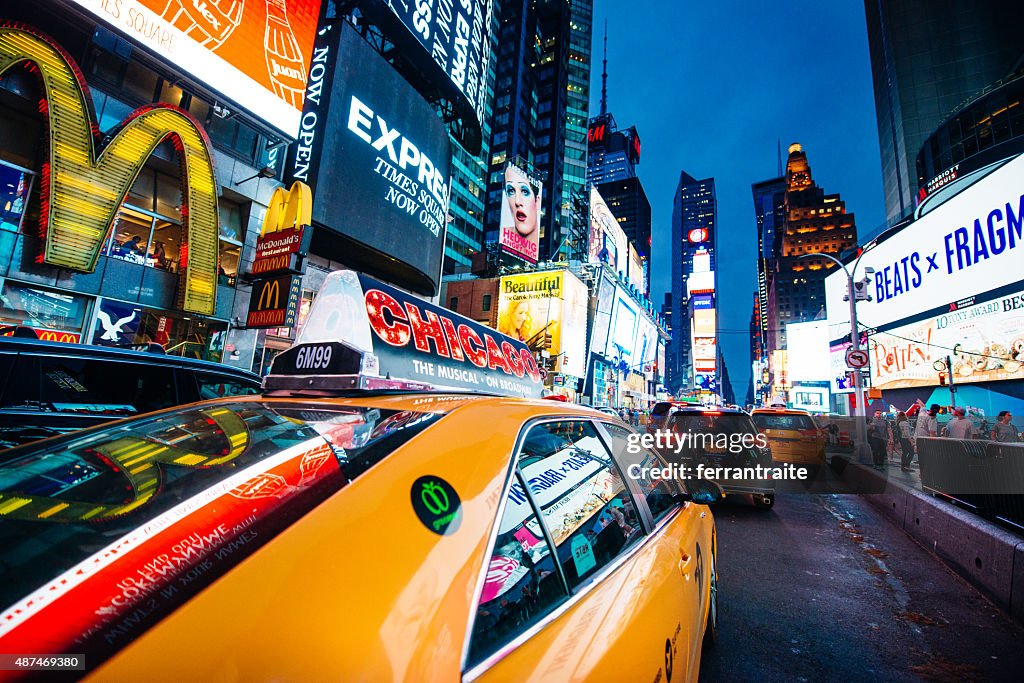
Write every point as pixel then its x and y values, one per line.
pixel 364 334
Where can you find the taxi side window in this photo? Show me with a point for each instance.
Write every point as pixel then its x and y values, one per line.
pixel 522 584
pixel 582 497
pixel 635 460
pixel 218 386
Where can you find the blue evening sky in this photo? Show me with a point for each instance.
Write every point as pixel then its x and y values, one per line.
pixel 711 86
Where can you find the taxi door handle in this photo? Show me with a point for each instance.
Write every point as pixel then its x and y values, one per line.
pixel 684 561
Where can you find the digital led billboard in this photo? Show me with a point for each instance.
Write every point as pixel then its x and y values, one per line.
pixel 622 334
pixel 449 42
pixel 382 176
pixel 255 54
pixel 969 245
pixel 519 233
pixel 602 315
pixel 984 341
pixel 608 243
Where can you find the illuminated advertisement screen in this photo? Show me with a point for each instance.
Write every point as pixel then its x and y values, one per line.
pixel 622 336
pixel 602 315
pixel 519 233
pixel 547 310
pixel 382 196
pixel 704 323
pixel 448 40
pixel 813 398
pixel 646 341
pixel 256 54
pixel 635 276
pixel 987 335
pixel 971 244
pixel 808 357
pixel 706 381
pixel 704 348
pixel 703 302
pixel 608 243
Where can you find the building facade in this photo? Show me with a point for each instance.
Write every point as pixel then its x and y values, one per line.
pixel 694 223
pixel 542 93
pixel 927 57
pixel 134 292
pixel 816 223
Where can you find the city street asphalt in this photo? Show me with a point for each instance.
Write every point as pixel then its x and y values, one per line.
pixel 823 588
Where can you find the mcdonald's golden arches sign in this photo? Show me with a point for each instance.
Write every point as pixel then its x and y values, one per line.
pixel 84 181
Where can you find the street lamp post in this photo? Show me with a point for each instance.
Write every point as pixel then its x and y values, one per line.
pixel 860 409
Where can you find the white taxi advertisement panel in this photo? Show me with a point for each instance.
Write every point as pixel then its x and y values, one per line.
pixel 256 54
pixel 407 338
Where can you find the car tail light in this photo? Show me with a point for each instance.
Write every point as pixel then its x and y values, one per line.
pixel 809 434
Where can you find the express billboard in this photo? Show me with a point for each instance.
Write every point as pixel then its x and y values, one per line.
pixel 602 315
pixel 519 233
pixel 536 307
pixel 386 163
pixel 255 54
pixel 808 351
pixel 449 42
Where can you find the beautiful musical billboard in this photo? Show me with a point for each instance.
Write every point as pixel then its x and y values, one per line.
pixel 547 310
pixel 255 54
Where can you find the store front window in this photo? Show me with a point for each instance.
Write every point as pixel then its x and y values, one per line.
pixel 231 236
pixel 41 308
pixel 15 186
pixel 148 229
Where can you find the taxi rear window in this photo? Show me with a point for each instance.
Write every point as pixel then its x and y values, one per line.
pixel 105 531
pixel 790 422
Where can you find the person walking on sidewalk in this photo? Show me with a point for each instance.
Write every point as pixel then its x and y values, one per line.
pixel 1004 431
pixel 878 436
pixel 927 423
pixel 903 432
pixel 960 427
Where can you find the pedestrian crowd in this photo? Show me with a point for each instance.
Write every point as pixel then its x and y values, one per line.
pixel 882 435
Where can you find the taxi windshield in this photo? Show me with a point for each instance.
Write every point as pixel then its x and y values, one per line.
pixel 105 531
pixel 785 422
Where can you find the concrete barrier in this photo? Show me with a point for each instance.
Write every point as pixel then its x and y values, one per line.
pixel 976 549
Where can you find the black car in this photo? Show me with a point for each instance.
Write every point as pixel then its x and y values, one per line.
pixel 48 388
pixel 721 438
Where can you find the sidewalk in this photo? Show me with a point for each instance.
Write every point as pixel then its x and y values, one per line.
pixel 986 555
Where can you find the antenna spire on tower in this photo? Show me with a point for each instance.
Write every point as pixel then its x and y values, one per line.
pixel 604 73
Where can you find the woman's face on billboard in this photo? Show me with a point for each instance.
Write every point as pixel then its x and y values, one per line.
pixel 523 201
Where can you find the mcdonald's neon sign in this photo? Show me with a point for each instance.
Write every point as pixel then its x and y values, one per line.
pixel 84 182
pixel 284 235
pixel 274 301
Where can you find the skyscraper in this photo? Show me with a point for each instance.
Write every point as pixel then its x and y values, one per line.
pixel 542 93
pixel 770 214
pixel 694 219
pixel 629 204
pixel 815 223
pixel 928 56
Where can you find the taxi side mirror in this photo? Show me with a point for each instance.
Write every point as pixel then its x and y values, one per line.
pixel 702 492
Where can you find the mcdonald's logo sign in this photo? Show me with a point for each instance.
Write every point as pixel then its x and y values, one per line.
pixel 274 301
pixel 84 181
pixel 57 336
pixel 284 235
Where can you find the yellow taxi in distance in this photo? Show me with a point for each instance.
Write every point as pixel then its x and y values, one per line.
pixel 792 435
pixel 344 526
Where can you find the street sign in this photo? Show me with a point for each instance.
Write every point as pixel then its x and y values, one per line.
pixel 856 358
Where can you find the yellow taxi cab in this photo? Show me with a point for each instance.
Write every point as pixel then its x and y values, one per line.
pixel 350 523
pixel 792 434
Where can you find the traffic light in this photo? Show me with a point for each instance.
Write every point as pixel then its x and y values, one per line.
pixel 942 379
